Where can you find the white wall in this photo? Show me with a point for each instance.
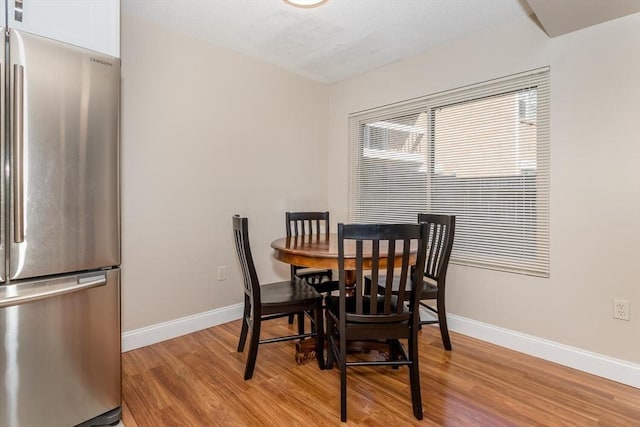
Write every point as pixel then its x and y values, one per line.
pixel 207 133
pixel 595 176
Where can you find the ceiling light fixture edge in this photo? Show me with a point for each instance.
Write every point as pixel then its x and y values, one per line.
pixel 305 4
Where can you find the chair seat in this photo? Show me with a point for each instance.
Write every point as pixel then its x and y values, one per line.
pixel 326 287
pixel 366 326
pixel 429 290
pixel 319 279
pixel 333 305
pixel 313 273
pixel 288 292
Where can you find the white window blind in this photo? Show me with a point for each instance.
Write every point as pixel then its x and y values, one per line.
pixel 480 152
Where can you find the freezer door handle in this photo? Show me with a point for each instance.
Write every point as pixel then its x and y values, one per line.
pixel 13 294
pixel 18 11
pixel 18 154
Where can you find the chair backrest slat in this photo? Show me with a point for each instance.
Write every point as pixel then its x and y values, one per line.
pixel 404 273
pixel 359 280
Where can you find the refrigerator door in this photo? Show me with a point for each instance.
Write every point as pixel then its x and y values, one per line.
pixel 63 122
pixel 60 358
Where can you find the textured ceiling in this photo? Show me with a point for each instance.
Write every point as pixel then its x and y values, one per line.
pixel 339 40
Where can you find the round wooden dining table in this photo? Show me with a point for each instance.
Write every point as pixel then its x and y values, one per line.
pixel 321 251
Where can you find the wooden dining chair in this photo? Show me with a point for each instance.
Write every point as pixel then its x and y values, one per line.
pixel 310 225
pixel 356 315
pixel 439 246
pixel 272 301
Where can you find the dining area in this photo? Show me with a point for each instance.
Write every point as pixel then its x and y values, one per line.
pixel 381 269
pixel 529 316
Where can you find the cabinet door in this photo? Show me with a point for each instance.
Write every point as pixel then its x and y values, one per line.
pixel 91 24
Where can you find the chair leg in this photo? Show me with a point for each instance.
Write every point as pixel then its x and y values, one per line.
pixel 319 329
pixel 330 355
pixel 444 330
pixel 394 352
pixel 313 322
pixel 291 316
pixel 253 348
pixel 300 323
pixel 343 380
pixel 243 334
pixel 367 286
pixel 245 328
pixel 414 378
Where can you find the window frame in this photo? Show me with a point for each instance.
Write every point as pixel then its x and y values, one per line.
pixel 538 79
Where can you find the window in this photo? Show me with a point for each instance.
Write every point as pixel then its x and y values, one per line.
pixel 480 153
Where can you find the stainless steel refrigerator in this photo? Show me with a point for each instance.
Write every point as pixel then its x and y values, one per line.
pixel 59 234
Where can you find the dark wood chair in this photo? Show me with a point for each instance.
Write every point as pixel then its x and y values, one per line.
pixel 355 315
pixel 272 301
pixel 441 234
pixel 311 224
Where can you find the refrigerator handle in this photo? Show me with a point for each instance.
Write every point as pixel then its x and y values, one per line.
pixel 42 292
pixel 18 11
pixel 18 154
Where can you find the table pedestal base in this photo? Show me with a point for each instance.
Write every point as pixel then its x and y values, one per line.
pixel 305 351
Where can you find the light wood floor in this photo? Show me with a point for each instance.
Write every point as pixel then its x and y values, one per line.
pixel 196 380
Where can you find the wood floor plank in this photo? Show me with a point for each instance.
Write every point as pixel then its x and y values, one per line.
pixel 197 380
pixel 126 414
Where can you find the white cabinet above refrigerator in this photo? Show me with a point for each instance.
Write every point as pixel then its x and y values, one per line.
pixel 91 24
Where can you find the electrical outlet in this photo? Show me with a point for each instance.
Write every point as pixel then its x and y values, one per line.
pixel 620 309
pixel 222 272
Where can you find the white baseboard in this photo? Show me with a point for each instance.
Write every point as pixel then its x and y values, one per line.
pixel 175 328
pixel 597 364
